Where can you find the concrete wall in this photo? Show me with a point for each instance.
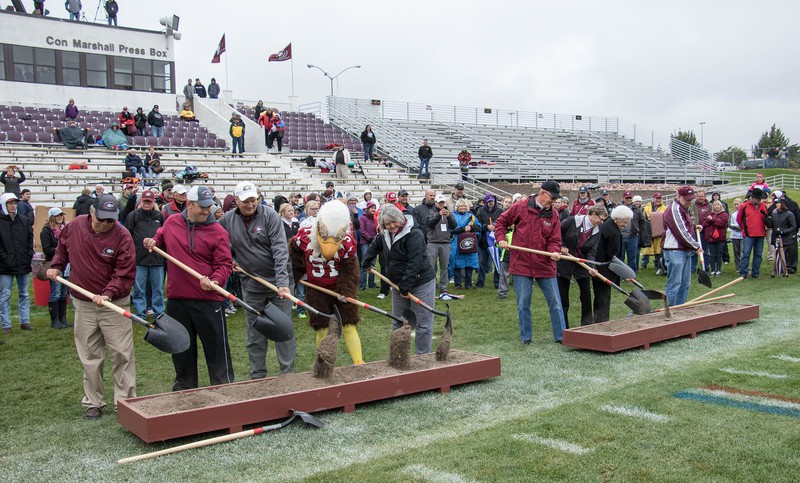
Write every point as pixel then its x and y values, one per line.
pixel 215 114
pixel 87 99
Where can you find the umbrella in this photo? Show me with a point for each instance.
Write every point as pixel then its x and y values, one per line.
pixel 494 251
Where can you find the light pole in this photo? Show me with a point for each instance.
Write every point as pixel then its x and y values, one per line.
pixel 310 66
pixel 702 123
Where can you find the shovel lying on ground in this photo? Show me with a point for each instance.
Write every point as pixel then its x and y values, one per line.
pixel 698 302
pixel 270 322
pixel 637 301
pixel 565 257
pixel 409 317
pixel 444 343
pixel 300 303
pixel 305 417
pixel 719 289
pixel 702 276
pixel 165 333
pixel 627 273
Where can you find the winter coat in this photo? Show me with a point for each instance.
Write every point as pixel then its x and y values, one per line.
pixel 188 91
pixel 140 119
pixel 82 205
pixel 422 213
pixel 368 229
pixel 580 207
pixel 12 182
pixel 112 7
pixel 784 225
pixel 716 229
pixel 144 224
pixel 125 118
pixel 463 260
pixel 49 242
pixel 435 232
pixel 366 138
pixel 679 232
pixel 425 152
pixel 239 132
pixel 16 244
pixel 406 264
pixel 608 247
pixel 213 90
pixel 132 161
pixel 537 228
pixel 487 217
pixel 73 6
pixel 753 219
pixel 571 228
pixel 155 119
pixel 71 111
pixel 200 90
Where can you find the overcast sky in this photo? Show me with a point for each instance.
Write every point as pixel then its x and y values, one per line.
pixel 663 65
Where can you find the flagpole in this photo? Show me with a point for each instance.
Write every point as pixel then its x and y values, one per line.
pixel 292 75
pixel 227 82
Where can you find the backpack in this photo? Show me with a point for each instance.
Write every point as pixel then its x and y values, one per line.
pixel 310 161
pixel 340 157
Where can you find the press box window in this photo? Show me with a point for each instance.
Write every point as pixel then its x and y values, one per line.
pixel 71 68
pixel 96 71
pixel 45 61
pixel 2 63
pixel 23 63
pixel 123 73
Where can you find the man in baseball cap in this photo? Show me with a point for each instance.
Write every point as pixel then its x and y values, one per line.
pixel 245 190
pixel 107 207
pixel 178 202
pixel 679 245
pixel 391 197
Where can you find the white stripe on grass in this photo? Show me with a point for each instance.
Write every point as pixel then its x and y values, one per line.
pixel 770 375
pixel 558 444
pixel 429 474
pixel 635 412
pixel 763 400
pixel 785 358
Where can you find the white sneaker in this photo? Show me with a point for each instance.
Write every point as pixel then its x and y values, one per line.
pixel 230 310
pixel 381 296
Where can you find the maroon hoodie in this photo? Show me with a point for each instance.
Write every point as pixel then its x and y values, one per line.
pixel 205 247
pixel 102 263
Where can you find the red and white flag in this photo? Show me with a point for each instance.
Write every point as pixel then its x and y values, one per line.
pixel 220 50
pixel 284 54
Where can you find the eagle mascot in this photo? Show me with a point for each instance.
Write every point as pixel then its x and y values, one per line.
pixel 325 255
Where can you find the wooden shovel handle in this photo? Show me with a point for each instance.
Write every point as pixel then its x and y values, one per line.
pixel 184 447
pixel 700 302
pixel 106 303
pixel 700 255
pixel 333 294
pixel 268 284
pixel 394 286
pixel 545 254
pixel 194 273
pixel 712 292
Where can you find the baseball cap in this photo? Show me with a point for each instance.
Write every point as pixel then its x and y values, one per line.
pixel 402 193
pixel 329 184
pixel 148 196
pixel 202 195
pixel 155 107
pixel 54 212
pixel 777 194
pixel 440 198
pixel 459 186
pixel 686 192
pixel 604 192
pixel 179 189
pixel 107 207
pixel 553 188
pixel 627 194
pixel 657 195
pixel 245 190
pixel 391 197
pixel 583 189
pixel 350 196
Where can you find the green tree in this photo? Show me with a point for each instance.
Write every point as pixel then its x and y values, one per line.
pixel 686 136
pixel 732 154
pixel 772 141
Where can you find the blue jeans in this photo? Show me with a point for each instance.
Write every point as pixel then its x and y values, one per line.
pixel 714 257
pixel 74 16
pixel 362 252
pixel 155 275
pixel 158 131
pixel 424 166
pixel 679 269
pixel 300 292
pixel 24 306
pixel 369 151
pixel 523 286
pixel 486 265
pixel 112 19
pixel 138 172
pixel 630 249
pixel 237 142
pixel 755 245
pixel 57 291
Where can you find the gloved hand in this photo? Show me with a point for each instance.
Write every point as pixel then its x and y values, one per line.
pixel 403 292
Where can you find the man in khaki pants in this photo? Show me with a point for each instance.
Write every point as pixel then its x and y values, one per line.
pixel 102 257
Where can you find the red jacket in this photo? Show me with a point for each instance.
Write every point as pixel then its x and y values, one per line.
pixel 752 218
pixel 579 208
pixel 265 121
pixel 205 247
pixel 535 228
pixel 102 263
pixel 715 229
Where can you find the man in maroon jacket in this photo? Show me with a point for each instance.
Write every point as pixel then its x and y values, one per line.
pixel 102 258
pixel 753 219
pixel 537 227
pixel 196 239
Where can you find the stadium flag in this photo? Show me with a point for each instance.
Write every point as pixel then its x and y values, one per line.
pixel 285 54
pixel 220 50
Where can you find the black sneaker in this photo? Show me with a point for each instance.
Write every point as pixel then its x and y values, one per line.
pixel 525 342
pixel 93 414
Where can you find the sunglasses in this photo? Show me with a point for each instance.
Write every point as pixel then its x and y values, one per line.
pixel 107 220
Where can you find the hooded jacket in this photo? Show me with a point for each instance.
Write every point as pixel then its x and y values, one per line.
pixel 144 224
pixel 82 204
pixel 16 241
pixel 487 217
pixel 11 183
pixel 203 246
pixel 679 232
pixel 753 219
pixel 716 229
pixel 102 263
pixel 405 265
pixel 155 119
pixel 535 227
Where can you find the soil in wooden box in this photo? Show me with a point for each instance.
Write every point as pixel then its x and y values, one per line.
pixel 289 383
pixel 654 319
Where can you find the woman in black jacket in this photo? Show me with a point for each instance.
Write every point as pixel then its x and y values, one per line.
pixel 49 236
pixel 408 268
pixel 140 118
pixel 368 141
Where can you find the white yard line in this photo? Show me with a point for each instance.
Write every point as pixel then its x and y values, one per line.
pixel 785 358
pixel 429 474
pixel 770 375
pixel 565 446
pixel 635 412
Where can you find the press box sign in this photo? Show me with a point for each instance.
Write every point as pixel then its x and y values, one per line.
pixel 109 48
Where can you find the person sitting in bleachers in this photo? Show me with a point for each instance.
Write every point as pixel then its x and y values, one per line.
pixel 153 162
pixel 72 136
pixel 187 114
pixel 133 163
pixel 113 138
pixel 126 122
pixel 71 111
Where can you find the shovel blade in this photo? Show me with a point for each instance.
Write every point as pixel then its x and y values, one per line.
pixel 703 278
pixel 411 318
pixel 621 268
pixel 274 324
pixel 169 335
pixel 638 303
pixel 308 419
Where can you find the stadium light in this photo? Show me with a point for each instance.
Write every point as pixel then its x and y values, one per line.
pixel 312 66
pixel 171 22
pixel 702 124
